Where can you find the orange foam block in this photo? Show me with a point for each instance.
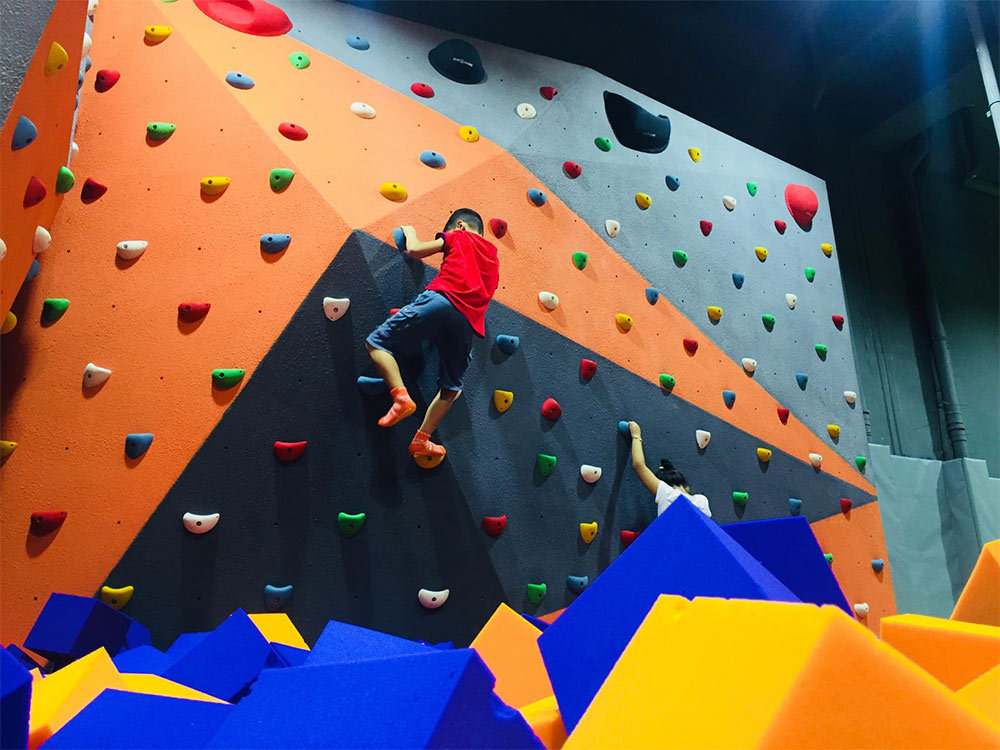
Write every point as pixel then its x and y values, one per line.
pixel 153 684
pixel 276 627
pixel 980 599
pixel 546 722
pixel 953 651
pixel 733 673
pixel 983 695
pixel 508 644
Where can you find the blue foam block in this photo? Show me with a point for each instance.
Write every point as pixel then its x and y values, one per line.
pixel 69 627
pixel 119 720
pixel 540 624
pixel 137 635
pixel 184 643
pixel 283 655
pixel 788 548
pixel 431 699
pixel 15 702
pixel 26 661
pixel 225 661
pixel 682 552
pixel 340 642
pixel 143 660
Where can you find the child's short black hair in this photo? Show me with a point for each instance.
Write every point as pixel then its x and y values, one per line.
pixel 667 473
pixel 467 215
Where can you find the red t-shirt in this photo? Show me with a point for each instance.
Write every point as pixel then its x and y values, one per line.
pixel 469 275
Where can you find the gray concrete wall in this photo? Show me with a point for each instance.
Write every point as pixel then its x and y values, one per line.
pixel 21 25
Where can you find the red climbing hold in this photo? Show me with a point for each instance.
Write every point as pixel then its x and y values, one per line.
pixel 422 90
pixel 780 226
pixel 706 228
pixel 34 193
pixel 393 311
pixel 588 368
pixel 189 312
pixel 783 414
pixel 92 190
pixel 105 79
pixel 293 132
pixel 548 92
pixel 498 227
pixel 572 169
pixel 838 320
pixel 551 409
pixel 691 345
pixel 289 451
pixel 628 537
pixel 257 17
pixel 46 521
pixel 802 204
pixel 494 525
pixel 845 505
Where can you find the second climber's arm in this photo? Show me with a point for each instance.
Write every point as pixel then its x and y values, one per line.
pixel 639 460
pixel 417 249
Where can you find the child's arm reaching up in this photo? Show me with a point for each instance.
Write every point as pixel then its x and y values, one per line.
pixel 417 249
pixel 639 460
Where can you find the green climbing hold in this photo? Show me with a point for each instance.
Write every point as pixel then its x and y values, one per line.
pixel 546 464
pixel 226 378
pixel 810 273
pixel 281 178
pixel 752 188
pixel 580 260
pixel 768 321
pixel 821 351
pixel 53 309
pixel 740 498
pixel 536 592
pixel 680 258
pixel 829 557
pixel 65 180
pixel 861 461
pixel 603 143
pixel 160 131
pixel 350 525
pixel 667 382
pixel 299 60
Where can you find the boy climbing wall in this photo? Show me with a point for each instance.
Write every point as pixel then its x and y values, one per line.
pixel 448 313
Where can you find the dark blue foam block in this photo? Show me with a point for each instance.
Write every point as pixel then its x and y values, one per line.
pixel 540 624
pixel 225 661
pixel 283 655
pixel 116 719
pixel 431 699
pixel 340 642
pixel 184 643
pixel 70 626
pixel 788 548
pixel 15 702
pixel 682 552
pixel 143 660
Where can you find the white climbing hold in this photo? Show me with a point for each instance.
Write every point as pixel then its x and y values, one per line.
pixel 612 227
pixel 93 375
pixel 334 308
pixel 790 300
pixel 702 436
pixel 3 249
pixel 42 240
pixel 74 149
pixel 850 397
pixel 729 202
pixel 131 249
pixel 363 110
pixel 815 459
pixel 549 300
pixel 749 364
pixel 433 599
pixel 197 524
pixel 91 7
pixel 861 609
pixel 86 44
pixel 590 473
pixel 525 111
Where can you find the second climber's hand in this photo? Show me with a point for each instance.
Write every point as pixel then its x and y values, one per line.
pixel 411 235
pixel 634 431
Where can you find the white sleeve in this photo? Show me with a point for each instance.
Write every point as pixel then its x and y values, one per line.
pixel 665 495
pixel 701 503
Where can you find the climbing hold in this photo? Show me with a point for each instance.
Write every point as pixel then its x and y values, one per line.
pixel 672 182
pixel 850 397
pixel 33 270
pixel 546 464
pixel 215 185
pixel 498 227
pixel 577 584
pixel 280 179
pixel 225 378
pixel 299 60
pixel 643 201
pixel 834 431
pixel 861 609
pixel 92 190
pixel 667 382
pixel 6 448
pixel 572 169
pixel 810 273
pixel 56 59
pixel 34 193
pixel 457 60
pixel 878 564
pixel 763 455
pixel 702 437
pixel 623 430
pixel 780 226
pixel 358 42
pixel 802 204
pixel 117 598
pixel 131 249
pixel 580 260
pixel 393 191
pixel 604 144
pixel 160 131
pixel 502 400
pixel 293 132
pixel 239 80
pixel 761 253
pixel 190 312
pixel 612 227
pixel 783 415
pixel 94 376
pixel 525 111
pixel 468 133
pixel 738 280
pixel 53 309
pixel 536 592
pixel 46 521
pixel 752 188
pixel 729 202
pixel 25 133
pixel 588 531
pixel 494 525
pixel 635 127
pixel 590 475
pixel 652 294
pixel 821 351
pixel 156 34
pixel 706 227
pixel 422 90
pixel 536 196
pixel 137 443
pixel 508 344
pixel 749 364
pixel 829 557
pixel 588 368
pixel 551 409
pixel 432 599
pixel 815 459
pixel 861 462
pixel 729 398
pixel 695 154
pixel 41 241
pixel 714 313
pixel 768 321
pixel 335 308
pixel 432 159
pixel 624 322
pixel 680 258
pixel 371 386
pixel 362 110
pixel 274 243
pixel 275 597
pixel 790 300
pixel 3 249
pixel 350 524
pixel 548 300
pixel 740 498
pixel 801 378
pixel 838 321
pixel 794 505
pixel 548 92
pixel 827 249
pixel 105 79
pixel 9 323
pixel 691 345
pixel 628 537
pixel 64 180
pixel 288 452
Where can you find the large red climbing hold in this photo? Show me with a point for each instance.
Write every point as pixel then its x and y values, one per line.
pixel 494 525
pixel 34 193
pixel 802 204
pixel 551 409
pixel 572 169
pixel 293 132
pixel 46 521
pixel 691 345
pixel 780 226
pixel 105 79
pixel 498 227
pixel 588 368
pixel 289 451
pixel 628 537
pixel 257 17
pixel 422 90
pixel 190 312
pixel 548 92
pixel 838 320
pixel 706 227
pixel 92 190
pixel 783 414
pixel 845 505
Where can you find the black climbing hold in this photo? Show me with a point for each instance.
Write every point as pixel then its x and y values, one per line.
pixel 457 60
pixel 634 127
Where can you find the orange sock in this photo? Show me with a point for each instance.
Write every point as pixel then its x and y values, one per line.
pixel 402 407
pixel 421 445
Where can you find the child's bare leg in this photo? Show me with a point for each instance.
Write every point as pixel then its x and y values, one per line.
pixel 387 366
pixel 402 404
pixel 421 443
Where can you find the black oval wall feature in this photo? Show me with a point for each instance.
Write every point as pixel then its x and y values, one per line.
pixel 457 60
pixel 634 127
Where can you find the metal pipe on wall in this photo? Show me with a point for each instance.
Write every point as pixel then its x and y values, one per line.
pixel 985 65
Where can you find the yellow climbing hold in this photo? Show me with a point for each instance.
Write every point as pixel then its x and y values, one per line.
pixel 643 201
pixel 503 400
pixel 588 531
pixel 428 462
pixel 834 430
pixel 117 598
pixel 393 191
pixel 714 313
pixel 6 448
pixel 468 133
pixel 761 253
pixel 8 323
pixel 156 34
pixel 215 185
pixel 764 455
pixel 56 59
pixel 695 154
pixel 624 321
pixel 827 249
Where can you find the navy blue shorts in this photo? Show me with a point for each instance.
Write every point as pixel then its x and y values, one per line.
pixel 430 317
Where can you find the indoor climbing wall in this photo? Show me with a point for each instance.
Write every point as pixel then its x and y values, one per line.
pixel 252 177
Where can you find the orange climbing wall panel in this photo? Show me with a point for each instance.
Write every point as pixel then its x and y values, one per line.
pixel 48 101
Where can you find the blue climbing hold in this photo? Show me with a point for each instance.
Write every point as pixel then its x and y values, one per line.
pixel 371 386
pixel 878 564
pixel 801 378
pixel 673 182
pixel 24 133
pixel 536 196
pixel 137 443
pixel 794 505
pixel 239 80
pixel 623 429
pixel 399 238
pixel 738 280
pixel 432 159
pixel 33 270
pixel 277 596
pixel 652 294
pixel 358 42
pixel 274 243
pixel 508 344
pixel 577 584
pixel 87 63
pixel 729 397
